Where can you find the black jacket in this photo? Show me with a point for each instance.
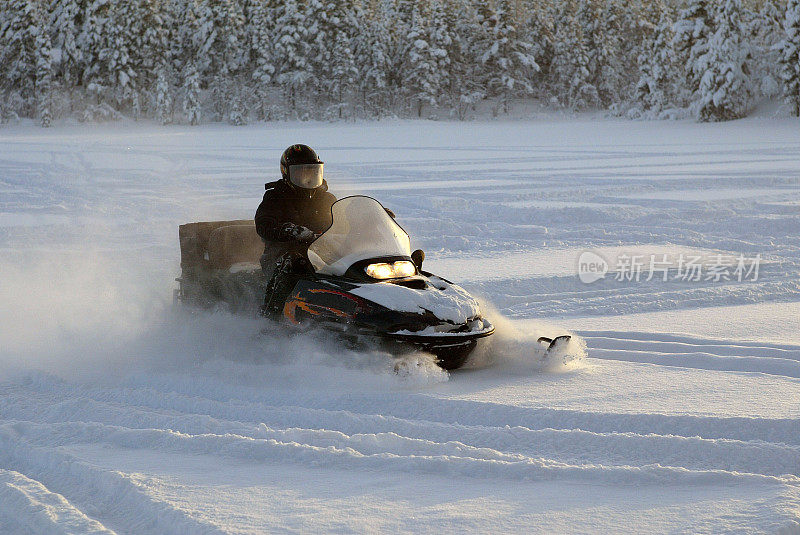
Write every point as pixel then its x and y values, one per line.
pixel 282 204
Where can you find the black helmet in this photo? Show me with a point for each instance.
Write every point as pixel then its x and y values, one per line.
pixel 301 167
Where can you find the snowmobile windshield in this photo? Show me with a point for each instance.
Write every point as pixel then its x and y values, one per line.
pixel 361 230
pixel 307 176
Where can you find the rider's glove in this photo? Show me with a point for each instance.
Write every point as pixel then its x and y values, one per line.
pixel 298 233
pixel 305 235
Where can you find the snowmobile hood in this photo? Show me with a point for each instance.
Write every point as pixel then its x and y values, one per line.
pixel 447 301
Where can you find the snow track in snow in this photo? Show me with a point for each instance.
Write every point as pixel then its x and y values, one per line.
pixel 410 432
pixel 26 506
pixel 778 359
pixel 116 498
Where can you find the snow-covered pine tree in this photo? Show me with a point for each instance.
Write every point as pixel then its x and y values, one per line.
pixel 633 26
pixel 571 80
pixel 191 99
pixel 125 24
pixel 539 29
pixel 464 74
pixel 236 115
pixel 320 31
pixel 192 34
pixel 18 59
pixel 440 40
pixel 199 35
pixel 260 28
pixel 340 74
pixel 370 46
pixel 331 54
pixel 163 97
pixel 724 92
pixel 653 92
pixel 44 66
pixel 482 43
pixel 766 35
pixel 599 27
pixel 233 42
pixel 509 62
pixel 106 45
pixel 152 54
pixel 91 42
pixel 398 20
pixel 613 73
pixel 134 20
pixel 790 56
pixel 66 56
pixel 291 46
pixel 343 77
pixel 422 81
pixel 222 27
pixel 692 33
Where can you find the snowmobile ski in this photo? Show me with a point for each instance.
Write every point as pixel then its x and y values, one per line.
pixel 554 344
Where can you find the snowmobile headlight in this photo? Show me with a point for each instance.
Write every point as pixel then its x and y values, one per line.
pixel 396 270
pixel 380 271
pixel 404 268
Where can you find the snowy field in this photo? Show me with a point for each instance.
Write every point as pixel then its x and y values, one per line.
pixel 121 413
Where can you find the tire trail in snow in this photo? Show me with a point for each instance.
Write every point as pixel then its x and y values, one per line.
pixel 27 506
pixel 557 435
pixel 670 350
pixel 117 498
pixel 451 412
pixel 454 459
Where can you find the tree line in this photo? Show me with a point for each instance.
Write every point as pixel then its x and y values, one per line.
pixel 192 61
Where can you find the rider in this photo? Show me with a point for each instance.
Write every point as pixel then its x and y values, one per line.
pixel 293 212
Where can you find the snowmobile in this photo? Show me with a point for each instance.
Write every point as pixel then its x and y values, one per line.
pixel 364 283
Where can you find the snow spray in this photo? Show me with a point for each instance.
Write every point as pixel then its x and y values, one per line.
pixel 511 347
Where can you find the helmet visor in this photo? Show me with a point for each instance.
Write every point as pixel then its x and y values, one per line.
pixel 307 176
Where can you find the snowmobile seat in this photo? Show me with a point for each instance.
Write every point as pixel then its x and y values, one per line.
pixel 235 246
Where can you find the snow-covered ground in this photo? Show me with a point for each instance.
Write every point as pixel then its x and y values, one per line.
pixel 119 412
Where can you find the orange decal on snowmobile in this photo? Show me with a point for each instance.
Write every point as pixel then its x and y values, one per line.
pixel 291 307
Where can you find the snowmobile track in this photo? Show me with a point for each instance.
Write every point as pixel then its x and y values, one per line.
pixel 688 352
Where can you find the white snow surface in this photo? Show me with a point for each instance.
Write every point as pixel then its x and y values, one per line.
pixel 676 407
